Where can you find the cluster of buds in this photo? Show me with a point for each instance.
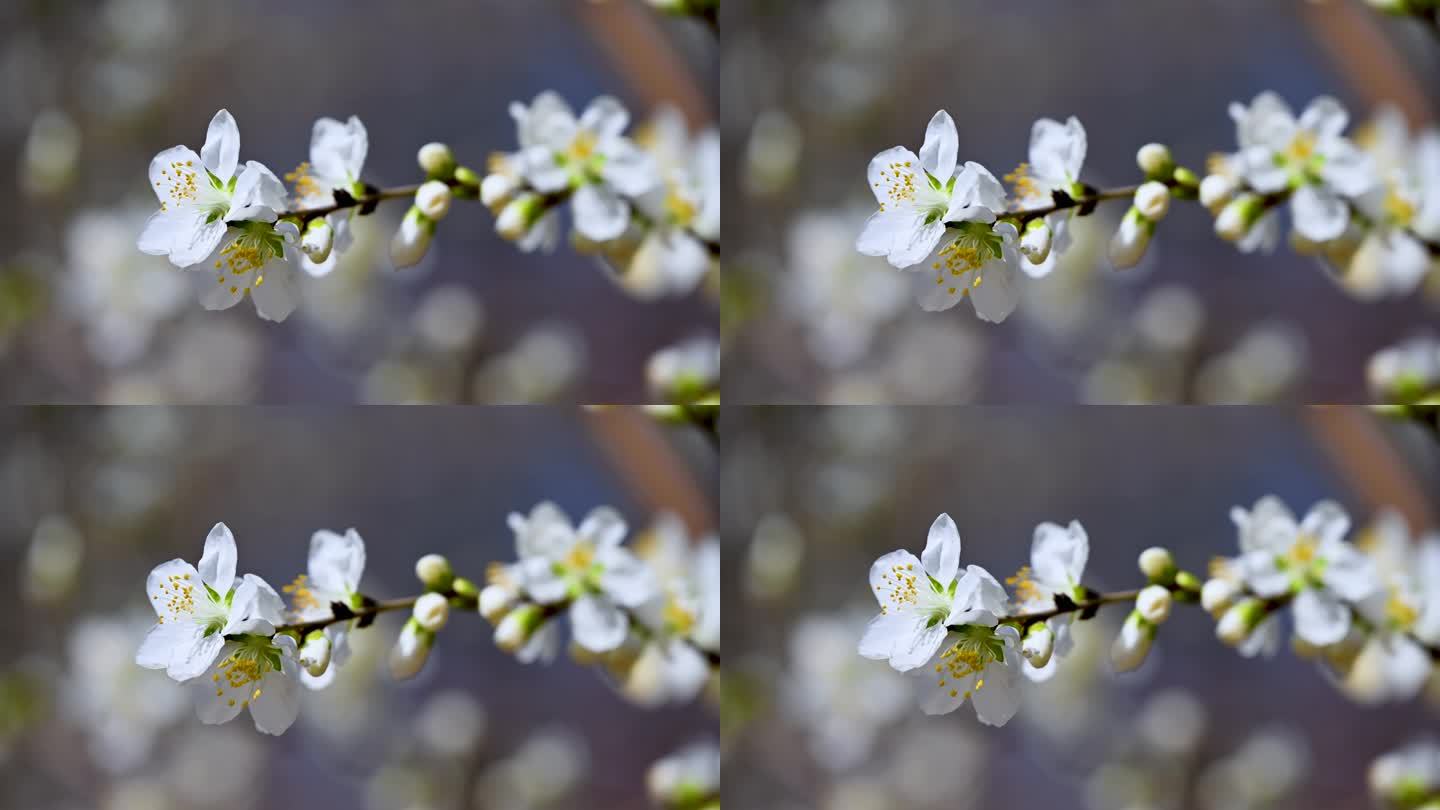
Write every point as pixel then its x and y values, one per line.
pixel 1150 203
pixel 429 614
pixel 444 181
pixel 1167 584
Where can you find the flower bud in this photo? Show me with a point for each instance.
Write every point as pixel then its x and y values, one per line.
pixel 1153 603
pixel 433 199
pixel 464 587
pixel 1131 239
pixel 1237 217
pixel 319 238
pixel 1035 242
pixel 518 215
pixel 432 610
pixel 1187 581
pixel 411 650
pixel 434 571
pixel 1157 564
pixel 412 240
pixel 1152 199
pixel 466 176
pixel 517 627
pixel 1239 621
pixel 436 160
pixel 498 189
pixel 496 601
pixel 1216 190
pixel 1038 645
pixel 1217 595
pixel 1132 645
pixel 1154 159
pixel 315 654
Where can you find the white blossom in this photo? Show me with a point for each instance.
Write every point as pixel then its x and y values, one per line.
pixel 336 563
pixel 197 609
pixel 920 598
pixel 1058 555
pixel 337 161
pixel 585 567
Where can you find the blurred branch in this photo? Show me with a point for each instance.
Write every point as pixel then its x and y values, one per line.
pixel 1374 67
pixel 635 42
pixel 1369 463
pixel 650 466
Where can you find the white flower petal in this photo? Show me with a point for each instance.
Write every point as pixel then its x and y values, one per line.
pixel 605 117
pixel 217 564
pixel 1325 117
pixel 166 587
pixel 173 173
pixel 604 527
pixel 1320 618
pixel 998 293
pixel 191 658
pixel 221 152
pixel 259 195
pixel 600 214
pixel 892 174
pixel 885 633
pixel 543 646
pixel 891 577
pixel 917 242
pixel 195 239
pixel 942 145
pixel 998 700
pixel 1057 152
pixel 598 625
pixel 338 151
pixel 541 581
pixel 630 169
pixel 1319 214
pixel 917 648
pixel 625 578
pixel 275 710
pixel 1058 555
pixel 1349 572
pixel 337 561
pixel 941 557
pixel 278 296
pixel 1347 169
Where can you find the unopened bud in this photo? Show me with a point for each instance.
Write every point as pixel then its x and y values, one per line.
pixel 436 160
pixel 1152 199
pixel 1216 190
pixel 1153 603
pixel 433 199
pixel 315 653
pixel 411 650
pixel 1237 217
pixel 466 176
pixel 434 572
pixel 319 238
pixel 1157 564
pixel 517 627
pixel 517 216
pixel 1217 595
pixel 1238 622
pixel 432 610
pixel 1038 644
pixel 1154 159
pixel 1035 242
pixel 1132 645
pixel 412 239
pixel 1131 239
pixel 464 587
pixel 498 189
pixel 496 601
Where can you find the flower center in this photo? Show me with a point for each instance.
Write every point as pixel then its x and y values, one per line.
pixel 900 583
pixel 898 180
pixel 1025 588
pixel 579 569
pixel 1302 551
pixel 246 667
pixel 974 246
pixel 1399 208
pixel 977 648
pixel 582 147
pixel 1399 610
pixel 678 616
pixel 1301 148
pixel 249 251
pixel 681 210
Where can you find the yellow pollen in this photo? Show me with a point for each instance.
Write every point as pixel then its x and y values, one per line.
pixel 1301 147
pixel 898 182
pixel 900 584
pixel 580 557
pixel 301 597
pixel 1023 184
pixel 1303 551
pixel 177 596
pixel 1025 588
pixel 305 185
pixel 177 183
pixel 1400 210
pixel 680 209
pixel 582 148
pixel 1400 612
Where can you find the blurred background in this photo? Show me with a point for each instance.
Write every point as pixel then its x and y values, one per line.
pixel 91 499
pixel 812 496
pixel 90 90
pixel 811 90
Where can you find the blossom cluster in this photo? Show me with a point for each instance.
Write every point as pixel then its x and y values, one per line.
pixel 1368 612
pixel 650 208
pixel 1370 213
pixel 650 618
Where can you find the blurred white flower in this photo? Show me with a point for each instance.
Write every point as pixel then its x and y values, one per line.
pixel 332 575
pixel 1058 555
pixel 689 777
pixel 337 159
pixel 683 618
